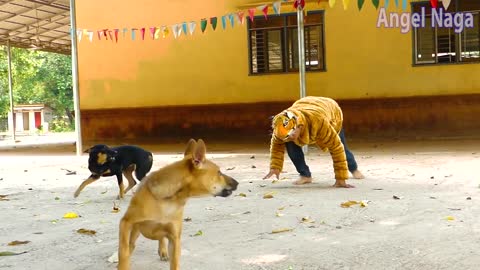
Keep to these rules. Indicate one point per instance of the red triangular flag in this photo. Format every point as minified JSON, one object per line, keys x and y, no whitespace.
{"x":299,"y":2}
{"x":110,"y":35}
{"x":143,"y":33}
{"x":105,"y":33}
{"x":251,"y":14}
{"x":434,"y":3}
{"x":240,"y":16}
{"x":116,"y":34}
{"x":265,"y":11}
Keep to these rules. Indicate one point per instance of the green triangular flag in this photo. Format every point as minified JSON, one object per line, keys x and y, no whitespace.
{"x":376,"y":3}
{"x":213,"y":22}
{"x":360,"y":4}
{"x":203,"y":25}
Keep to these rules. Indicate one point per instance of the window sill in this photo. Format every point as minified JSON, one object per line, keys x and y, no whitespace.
{"x":445,"y":64}
{"x":284,"y":73}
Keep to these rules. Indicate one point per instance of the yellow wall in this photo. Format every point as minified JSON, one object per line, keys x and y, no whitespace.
{"x":361,"y":60}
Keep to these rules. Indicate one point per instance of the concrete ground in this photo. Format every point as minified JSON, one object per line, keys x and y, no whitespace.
{"x":421,"y":211}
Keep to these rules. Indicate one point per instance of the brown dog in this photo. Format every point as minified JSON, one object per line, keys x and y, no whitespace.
{"x":156,"y":209}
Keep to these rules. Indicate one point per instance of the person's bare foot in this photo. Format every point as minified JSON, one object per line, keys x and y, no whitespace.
{"x":357,"y":174}
{"x":303,"y":180}
{"x":342,"y":184}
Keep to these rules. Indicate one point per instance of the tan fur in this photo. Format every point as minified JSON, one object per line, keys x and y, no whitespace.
{"x":101,"y":158}
{"x":156,"y":209}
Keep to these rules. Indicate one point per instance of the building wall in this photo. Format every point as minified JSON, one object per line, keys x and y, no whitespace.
{"x":134,"y":80}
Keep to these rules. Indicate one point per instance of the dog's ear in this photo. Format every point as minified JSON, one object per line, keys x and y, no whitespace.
{"x":88,"y":150}
{"x":190,"y":146}
{"x":198,"y":157}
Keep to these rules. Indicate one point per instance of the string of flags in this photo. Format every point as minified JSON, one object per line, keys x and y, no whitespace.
{"x":234,"y":18}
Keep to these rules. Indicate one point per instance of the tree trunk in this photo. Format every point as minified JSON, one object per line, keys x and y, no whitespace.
{"x":70,"y":116}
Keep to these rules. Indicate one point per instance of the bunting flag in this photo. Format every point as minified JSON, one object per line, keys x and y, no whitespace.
{"x":116,"y":30}
{"x":331,"y":3}
{"x":99,"y":35}
{"x":376,"y":3}
{"x":177,"y":30}
{"x":105,"y":32}
{"x":90,"y":35}
{"x":125,"y":30}
{"x":79,"y":35}
{"x":404,"y":5}
{"x":213,"y":22}
{"x":192,"y":27}
{"x":346,"y":3}
{"x":360,"y":4}
{"x":203,"y":25}
{"x":184,"y":28}
{"x":165,"y":31}
{"x":133,"y":33}
{"x":241,"y":17}
{"x":231,"y":16}
{"x":152,"y":32}
{"x":264,"y":10}
{"x":142,"y":31}
{"x":396,"y":3}
{"x":157,"y":32}
{"x":110,"y":35}
{"x":298,"y":3}
{"x":386,"y":3}
{"x":434,"y":3}
{"x":276,"y":7}
{"x":224,"y":22}
{"x":446,"y":4}
{"x":251,"y":14}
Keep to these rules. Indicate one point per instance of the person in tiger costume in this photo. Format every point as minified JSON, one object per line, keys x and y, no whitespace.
{"x":311,"y":120}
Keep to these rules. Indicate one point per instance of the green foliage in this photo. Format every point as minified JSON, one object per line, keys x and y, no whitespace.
{"x":38,"y":77}
{"x":61,"y":125}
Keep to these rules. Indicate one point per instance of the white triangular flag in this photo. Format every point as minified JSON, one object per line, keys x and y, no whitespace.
{"x":446,"y":3}
{"x":79,"y":35}
{"x":90,"y":35}
{"x":175,"y":30}
{"x":192,"y":26}
{"x":276,"y":7}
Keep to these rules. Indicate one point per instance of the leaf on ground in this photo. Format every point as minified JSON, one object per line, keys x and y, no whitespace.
{"x":70,"y":215}
{"x":187,"y":219}
{"x":281,"y":208}
{"x":449,"y":218}
{"x":268,"y":195}
{"x":307,"y":219}
{"x":241,"y":195}
{"x":230,"y":168}
{"x":199,"y":233}
{"x":115,"y":208}
{"x":348,"y":204}
{"x":113,"y":258}
{"x":9,"y":253}
{"x":282,"y":230}
{"x":16,"y":243}
{"x":54,"y":221}
{"x":87,"y":232}
{"x":278,"y":214}
{"x":103,"y":192}
{"x":57,"y":198}
{"x":364,"y":203}
{"x":395,"y":197}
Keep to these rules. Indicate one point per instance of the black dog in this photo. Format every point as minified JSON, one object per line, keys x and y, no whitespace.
{"x":106,"y":161}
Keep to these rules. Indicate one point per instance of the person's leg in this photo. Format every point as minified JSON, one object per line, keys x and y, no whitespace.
{"x":295,"y":153}
{"x":351,"y":162}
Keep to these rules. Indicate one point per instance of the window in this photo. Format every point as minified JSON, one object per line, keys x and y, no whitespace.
{"x":435,"y":45}
{"x":273,"y":43}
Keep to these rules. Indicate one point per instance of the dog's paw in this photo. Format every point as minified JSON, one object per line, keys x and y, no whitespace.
{"x":163,"y":256}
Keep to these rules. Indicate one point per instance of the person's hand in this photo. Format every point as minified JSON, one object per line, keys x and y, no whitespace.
{"x":275,"y":172}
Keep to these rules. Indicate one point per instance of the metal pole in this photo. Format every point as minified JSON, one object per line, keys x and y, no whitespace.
{"x":301,"y":56}
{"x":76,"y":98}
{"x":10,"y":89}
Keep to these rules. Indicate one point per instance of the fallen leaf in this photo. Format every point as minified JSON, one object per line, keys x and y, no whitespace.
{"x":103,"y":192}
{"x":246,"y":213}
{"x":348,"y":204}
{"x":252,"y":157}
{"x":432,"y":177}
{"x":253,"y":166}
{"x":57,"y":198}
{"x":378,"y":189}
{"x":241,"y":195}
{"x":282,"y":230}
{"x":469,"y":198}
{"x":16,"y":243}
{"x":85,"y":231}
{"x":230,"y":168}
{"x":9,"y":253}
{"x":4,"y":198}
{"x":38,"y":233}
{"x":54,"y":221}
{"x":395,"y":197}
{"x":307,"y":220}
{"x":278,"y":214}
{"x":449,"y":218}
{"x":199,"y":233}
{"x":268,"y":196}
{"x":115,"y":208}
{"x":281,"y":208}
{"x":263,"y":185}
{"x":70,"y":215}
{"x":187,"y":219}
{"x":364,"y":203}
{"x":431,"y":197}
{"x":455,"y":209}
{"x":209,"y":208}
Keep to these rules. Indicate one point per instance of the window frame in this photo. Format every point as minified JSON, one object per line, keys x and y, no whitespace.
{"x":457,"y":38}
{"x":284,"y":42}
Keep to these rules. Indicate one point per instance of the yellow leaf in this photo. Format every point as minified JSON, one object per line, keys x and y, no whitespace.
{"x":307,"y":220}
{"x":70,"y":215}
{"x":85,"y":231}
{"x":282,"y":230}
{"x":3,"y":198}
{"x":278,"y":214}
{"x":449,"y":218}
{"x":348,"y":204}
{"x":16,"y":243}
{"x":268,"y":195}
{"x":281,"y":208}
{"x":363,"y":204}
{"x":242,"y":195}
{"x":199,"y":233}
